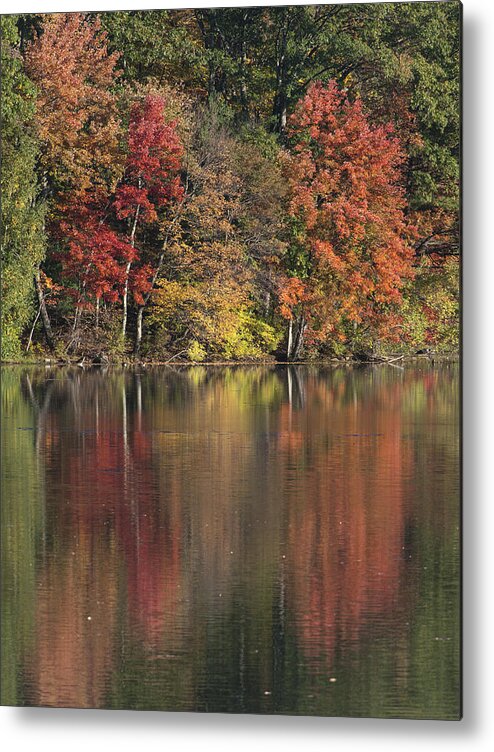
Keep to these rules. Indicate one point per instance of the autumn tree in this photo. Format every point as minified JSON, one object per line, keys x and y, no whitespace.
{"x":410,"y":76}
{"x":76,"y":119}
{"x":76,"y":109}
{"x":94,"y":255}
{"x":206,"y":283}
{"x":347,"y":203}
{"x":151,"y":182}
{"x":228,"y":221}
{"x":111,"y":242}
{"x":402,"y":59}
{"x":216,"y":291}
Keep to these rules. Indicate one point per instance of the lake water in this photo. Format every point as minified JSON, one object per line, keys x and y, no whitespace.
{"x":247,"y":540}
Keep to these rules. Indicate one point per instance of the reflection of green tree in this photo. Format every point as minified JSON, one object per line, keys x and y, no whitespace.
{"x":22,"y":521}
{"x":434,"y":542}
{"x":152,"y":682}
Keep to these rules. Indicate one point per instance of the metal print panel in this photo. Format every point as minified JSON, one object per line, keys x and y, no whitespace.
{"x":230,"y":380}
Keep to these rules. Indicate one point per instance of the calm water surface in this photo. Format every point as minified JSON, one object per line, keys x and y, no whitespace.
{"x":263,"y":540}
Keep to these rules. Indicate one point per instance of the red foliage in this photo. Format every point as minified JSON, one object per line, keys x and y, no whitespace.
{"x":140,"y":281}
{"x":151,"y":181}
{"x":97,"y":253}
{"x":96,"y":256}
{"x":151,"y":177}
{"x":128,"y":198}
{"x":77,"y":126}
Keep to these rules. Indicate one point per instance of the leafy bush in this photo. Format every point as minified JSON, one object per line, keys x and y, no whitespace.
{"x":196,"y":352}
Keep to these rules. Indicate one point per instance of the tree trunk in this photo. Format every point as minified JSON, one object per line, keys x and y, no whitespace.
{"x":127,"y":269}
{"x":280,"y":98}
{"x":137,"y":346}
{"x":242,"y":72}
{"x":299,"y":341}
{"x":280,"y":113}
{"x":267,"y":303}
{"x":44,"y":313}
{"x":32,"y":329}
{"x":77,"y":316}
{"x":206,"y":20}
{"x":289,"y":346}
{"x":126,"y":299}
{"x":147,"y":296}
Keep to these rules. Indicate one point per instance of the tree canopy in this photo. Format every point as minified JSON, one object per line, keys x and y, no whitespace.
{"x":231,"y":182}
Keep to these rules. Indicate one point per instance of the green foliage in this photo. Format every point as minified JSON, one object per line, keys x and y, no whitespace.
{"x":265,"y":142}
{"x":196,"y":352}
{"x":22,"y":236}
{"x":431,"y":316}
{"x":249,"y":338}
{"x":157,"y":45}
{"x":216,"y":324}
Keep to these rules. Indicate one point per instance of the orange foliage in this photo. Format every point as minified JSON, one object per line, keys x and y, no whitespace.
{"x":345,"y":541}
{"x":292,"y":292}
{"x":346,"y":191}
{"x":76,"y":112}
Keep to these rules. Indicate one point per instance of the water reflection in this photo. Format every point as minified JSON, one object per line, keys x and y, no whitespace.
{"x":243,"y":539}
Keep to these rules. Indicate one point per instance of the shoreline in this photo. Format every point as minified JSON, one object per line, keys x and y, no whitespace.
{"x":388,"y":360}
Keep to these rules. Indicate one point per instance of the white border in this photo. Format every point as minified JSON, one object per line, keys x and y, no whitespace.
{"x":81,"y":730}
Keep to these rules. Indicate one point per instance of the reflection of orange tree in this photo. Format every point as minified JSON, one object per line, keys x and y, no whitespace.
{"x":346,"y":527}
{"x":76,"y":620}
